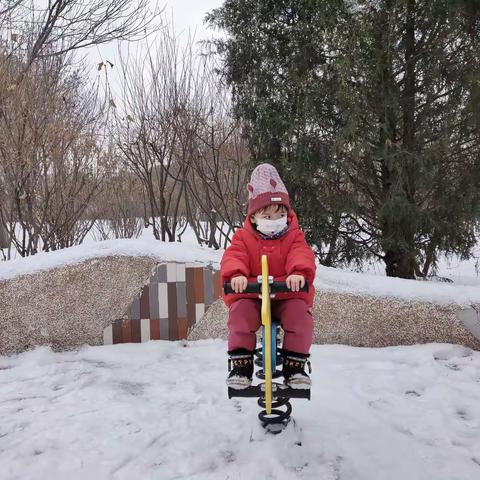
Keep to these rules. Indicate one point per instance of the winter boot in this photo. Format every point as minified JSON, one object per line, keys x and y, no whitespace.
{"x":240,"y":366}
{"x":294,"y":370}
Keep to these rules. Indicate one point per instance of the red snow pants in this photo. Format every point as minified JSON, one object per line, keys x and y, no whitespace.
{"x":244,"y":320}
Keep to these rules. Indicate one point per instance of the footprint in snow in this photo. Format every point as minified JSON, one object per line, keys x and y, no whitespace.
{"x":453,"y":366}
{"x":462,"y":413}
{"x":132,"y":388}
{"x":228,"y":456}
{"x":378,"y":403}
{"x":413,"y":393}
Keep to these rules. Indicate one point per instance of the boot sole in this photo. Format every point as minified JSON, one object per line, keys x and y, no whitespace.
{"x":238,"y":383}
{"x":299,"y":382}
{"x":299,"y":386}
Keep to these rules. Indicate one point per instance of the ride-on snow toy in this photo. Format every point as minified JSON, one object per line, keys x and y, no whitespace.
{"x":272,"y":396}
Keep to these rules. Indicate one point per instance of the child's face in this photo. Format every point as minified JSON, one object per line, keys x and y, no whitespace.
{"x":272,"y":212}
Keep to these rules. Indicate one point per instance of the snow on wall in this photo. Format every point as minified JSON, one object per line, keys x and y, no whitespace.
{"x":327,"y":279}
{"x":108,"y":248}
{"x":333,"y":279}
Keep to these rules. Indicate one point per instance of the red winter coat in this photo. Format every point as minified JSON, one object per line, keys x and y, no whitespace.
{"x":287,"y":255}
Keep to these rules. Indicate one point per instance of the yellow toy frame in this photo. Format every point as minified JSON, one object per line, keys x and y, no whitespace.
{"x":267,"y":323}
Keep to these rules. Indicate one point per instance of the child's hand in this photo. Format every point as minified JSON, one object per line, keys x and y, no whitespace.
{"x":239,"y":284}
{"x":295,"y":282}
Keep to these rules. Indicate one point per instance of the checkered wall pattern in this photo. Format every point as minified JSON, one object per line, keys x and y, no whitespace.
{"x":176,"y":296}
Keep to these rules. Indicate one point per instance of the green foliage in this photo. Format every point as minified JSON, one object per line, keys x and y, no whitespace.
{"x":370,"y":109}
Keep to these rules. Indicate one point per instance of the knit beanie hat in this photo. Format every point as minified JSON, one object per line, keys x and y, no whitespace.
{"x":266,"y":188}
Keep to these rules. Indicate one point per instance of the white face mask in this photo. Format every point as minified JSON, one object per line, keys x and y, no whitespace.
{"x":271,"y":227}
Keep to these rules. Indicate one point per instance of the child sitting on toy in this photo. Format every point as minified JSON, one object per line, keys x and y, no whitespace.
{"x":271,"y":228}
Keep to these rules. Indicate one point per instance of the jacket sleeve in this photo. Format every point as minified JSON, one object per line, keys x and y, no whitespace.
{"x":300,"y":258}
{"x":235,"y":260}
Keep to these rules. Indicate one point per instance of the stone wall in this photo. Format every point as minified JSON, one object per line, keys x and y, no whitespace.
{"x":367,"y":321}
{"x":118,"y":299}
{"x":69,"y":306}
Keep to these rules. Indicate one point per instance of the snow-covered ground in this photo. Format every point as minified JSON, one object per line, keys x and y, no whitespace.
{"x":159,"y":410}
{"x":462,"y":272}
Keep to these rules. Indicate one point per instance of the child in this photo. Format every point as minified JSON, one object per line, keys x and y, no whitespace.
{"x":271,"y":228}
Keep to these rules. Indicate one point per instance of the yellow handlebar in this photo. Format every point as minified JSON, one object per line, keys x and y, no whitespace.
{"x":267,"y":331}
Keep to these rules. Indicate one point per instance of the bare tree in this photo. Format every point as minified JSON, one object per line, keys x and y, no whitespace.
{"x":51,"y":127}
{"x":156,"y":130}
{"x":177,"y":133}
{"x":220,"y":167}
{"x":51,"y":158}
{"x":119,"y":207}
{"x":61,"y":26}
{"x":217,"y":184}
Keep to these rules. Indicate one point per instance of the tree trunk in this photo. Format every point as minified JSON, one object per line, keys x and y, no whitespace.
{"x":409,"y":104}
{"x":400,"y":260}
{"x":212,"y":241}
{"x":331,"y":255}
{"x":399,"y":240}
{"x":4,"y":237}
{"x":399,"y":263}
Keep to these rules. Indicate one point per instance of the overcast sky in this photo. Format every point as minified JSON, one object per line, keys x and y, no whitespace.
{"x":190,"y":13}
{"x":187,"y":16}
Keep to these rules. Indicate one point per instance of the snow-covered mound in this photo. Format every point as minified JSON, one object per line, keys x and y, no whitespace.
{"x":124,"y":247}
{"x":159,"y":411}
{"x":330,"y":279}
{"x":334,"y":279}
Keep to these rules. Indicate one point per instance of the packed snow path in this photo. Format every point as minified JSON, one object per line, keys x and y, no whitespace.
{"x":159,"y":411}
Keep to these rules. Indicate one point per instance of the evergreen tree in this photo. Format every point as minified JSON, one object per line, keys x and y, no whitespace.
{"x":371,"y":110}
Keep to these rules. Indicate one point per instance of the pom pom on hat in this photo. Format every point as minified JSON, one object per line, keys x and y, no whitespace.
{"x":266,"y":188}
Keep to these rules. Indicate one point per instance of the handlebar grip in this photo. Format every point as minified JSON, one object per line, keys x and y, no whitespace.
{"x":252,"y":287}
{"x":281,"y":287}
{"x":255,"y":287}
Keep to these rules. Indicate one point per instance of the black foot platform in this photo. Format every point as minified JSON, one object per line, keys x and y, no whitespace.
{"x":275,"y":421}
{"x":278,"y":391}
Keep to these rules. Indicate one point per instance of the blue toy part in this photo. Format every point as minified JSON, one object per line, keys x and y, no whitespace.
{"x":273,"y":350}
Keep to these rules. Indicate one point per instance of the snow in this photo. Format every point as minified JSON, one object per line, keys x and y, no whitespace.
{"x":159,"y":410}
{"x":462,"y":272}
{"x":337,"y":280}
{"x":125,"y":247}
